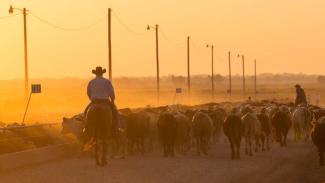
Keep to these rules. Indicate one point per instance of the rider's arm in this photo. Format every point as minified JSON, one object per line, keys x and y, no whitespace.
{"x":111,"y":92}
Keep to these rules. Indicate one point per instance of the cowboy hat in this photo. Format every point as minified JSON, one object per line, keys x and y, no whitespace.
{"x":99,"y":71}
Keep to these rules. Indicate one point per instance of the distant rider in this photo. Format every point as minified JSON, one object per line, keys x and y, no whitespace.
{"x":301,"y":96}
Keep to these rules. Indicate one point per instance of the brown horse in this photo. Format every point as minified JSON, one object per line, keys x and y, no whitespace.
{"x":100,"y":128}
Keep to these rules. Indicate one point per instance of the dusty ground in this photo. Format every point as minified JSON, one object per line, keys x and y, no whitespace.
{"x":296,"y":163}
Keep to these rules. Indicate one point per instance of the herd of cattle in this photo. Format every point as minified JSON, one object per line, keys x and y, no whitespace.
{"x":180,"y":128}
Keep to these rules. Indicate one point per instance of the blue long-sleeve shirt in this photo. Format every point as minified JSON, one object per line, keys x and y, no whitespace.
{"x":100,"y":88}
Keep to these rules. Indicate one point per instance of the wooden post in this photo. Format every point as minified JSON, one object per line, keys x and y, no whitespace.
{"x":212,"y":73}
{"x":229,"y":60}
{"x":244,"y":84}
{"x":109,"y":46}
{"x":157,"y":62}
{"x":25,"y":52}
{"x":255,"y":79}
{"x":188,"y":67}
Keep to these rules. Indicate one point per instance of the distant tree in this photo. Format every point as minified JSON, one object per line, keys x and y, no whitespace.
{"x":321,"y":79}
{"x":217,"y":78}
{"x":178,"y":80}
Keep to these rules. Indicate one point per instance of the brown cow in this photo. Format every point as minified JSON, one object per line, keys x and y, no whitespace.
{"x":75,"y":126}
{"x":281,"y":121}
{"x":183,"y":138}
{"x":167,"y":131}
{"x":266,"y":129}
{"x":218,"y":116}
{"x":318,"y":138}
{"x":252,"y":131}
{"x":137,"y":130}
{"x":233,"y":129}
{"x":202,"y":129}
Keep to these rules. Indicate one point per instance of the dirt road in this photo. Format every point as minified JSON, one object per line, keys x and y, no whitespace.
{"x":296,"y":163}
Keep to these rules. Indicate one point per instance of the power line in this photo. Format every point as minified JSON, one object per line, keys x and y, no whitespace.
{"x":169,"y":40}
{"x":201,"y":52}
{"x":69,"y":29}
{"x":119,"y":20}
{"x":196,"y":47}
{"x":8,"y":16}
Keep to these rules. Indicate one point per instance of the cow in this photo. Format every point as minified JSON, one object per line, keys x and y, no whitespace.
{"x":317,"y":112}
{"x":153,"y":132}
{"x":318,"y":138}
{"x":266,"y":129}
{"x":75,"y":126}
{"x":119,"y":146}
{"x":218,"y":116}
{"x":183,"y":138}
{"x":233,"y":129}
{"x":301,"y":119}
{"x":202,"y":129}
{"x":281,"y":122}
{"x":137,"y":130}
{"x":167,"y":131}
{"x":252,"y":130}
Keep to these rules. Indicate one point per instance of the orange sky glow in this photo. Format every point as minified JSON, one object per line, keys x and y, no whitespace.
{"x":283,"y":35}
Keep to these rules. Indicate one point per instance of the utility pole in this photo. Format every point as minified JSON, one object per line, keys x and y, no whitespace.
{"x":229,"y":60}
{"x":243,"y":63}
{"x":24,"y":11}
{"x":255,"y":79}
{"x":25,"y":51}
{"x":188,"y":67}
{"x":109,"y":45}
{"x":212,"y":72}
{"x":157,"y":60}
{"x":244,"y":82}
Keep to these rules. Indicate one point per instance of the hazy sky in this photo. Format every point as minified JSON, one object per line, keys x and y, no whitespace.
{"x":283,"y":35}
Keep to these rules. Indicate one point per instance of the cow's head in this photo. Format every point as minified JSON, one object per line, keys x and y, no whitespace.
{"x":72,"y":125}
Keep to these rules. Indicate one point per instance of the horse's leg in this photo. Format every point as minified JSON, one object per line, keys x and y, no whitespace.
{"x":104,"y":151}
{"x":114,"y":147}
